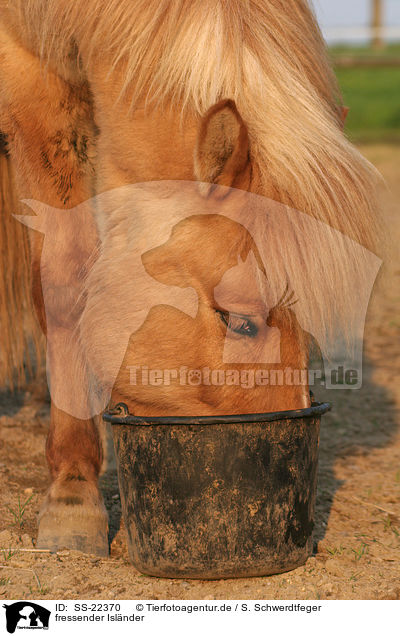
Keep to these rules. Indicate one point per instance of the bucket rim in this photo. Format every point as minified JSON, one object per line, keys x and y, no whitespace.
{"x":119,"y":414}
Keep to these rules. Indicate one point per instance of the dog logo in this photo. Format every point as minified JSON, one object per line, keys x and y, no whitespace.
{"x":26,"y":615}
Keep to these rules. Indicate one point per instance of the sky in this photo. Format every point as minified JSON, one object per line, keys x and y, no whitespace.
{"x":353,"y":13}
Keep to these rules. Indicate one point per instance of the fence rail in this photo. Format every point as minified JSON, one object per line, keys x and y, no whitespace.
{"x":349,"y":61}
{"x":360,"y":33}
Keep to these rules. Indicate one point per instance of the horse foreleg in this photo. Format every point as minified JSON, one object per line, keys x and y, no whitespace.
{"x":73,"y":514}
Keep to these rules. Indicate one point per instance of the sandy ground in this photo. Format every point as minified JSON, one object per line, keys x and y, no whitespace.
{"x":357,"y":534}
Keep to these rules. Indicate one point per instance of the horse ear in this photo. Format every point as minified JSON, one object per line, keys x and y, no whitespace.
{"x":222,"y":149}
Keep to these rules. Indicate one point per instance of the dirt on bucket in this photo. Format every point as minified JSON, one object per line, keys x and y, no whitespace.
{"x":210,"y":499}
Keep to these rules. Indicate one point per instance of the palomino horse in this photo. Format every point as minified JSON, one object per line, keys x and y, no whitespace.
{"x":100,"y":94}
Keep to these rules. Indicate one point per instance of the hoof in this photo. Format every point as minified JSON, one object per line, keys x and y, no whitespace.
{"x":71,"y":522}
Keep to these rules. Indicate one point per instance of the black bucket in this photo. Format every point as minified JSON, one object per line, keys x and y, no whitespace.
{"x":218,"y":497}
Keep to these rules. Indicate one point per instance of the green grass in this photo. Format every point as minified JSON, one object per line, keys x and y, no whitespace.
{"x":18,"y":513}
{"x":8,"y":554}
{"x":4,"y":580}
{"x":360,"y":551}
{"x":373,"y":96}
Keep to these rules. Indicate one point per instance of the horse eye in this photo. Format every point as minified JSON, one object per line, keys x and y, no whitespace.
{"x":238,"y":324}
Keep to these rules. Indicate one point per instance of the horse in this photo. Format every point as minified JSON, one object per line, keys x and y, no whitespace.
{"x":223,"y":101}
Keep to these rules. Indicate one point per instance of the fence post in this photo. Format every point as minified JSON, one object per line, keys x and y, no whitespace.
{"x":376,"y":24}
